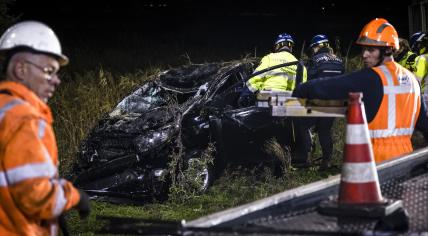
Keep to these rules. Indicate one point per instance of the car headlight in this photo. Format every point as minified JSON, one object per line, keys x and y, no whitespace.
{"x":153,"y":138}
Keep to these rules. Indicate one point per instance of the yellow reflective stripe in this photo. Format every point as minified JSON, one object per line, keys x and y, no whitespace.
{"x":9,"y":106}
{"x":60,"y":200}
{"x":25,"y":172}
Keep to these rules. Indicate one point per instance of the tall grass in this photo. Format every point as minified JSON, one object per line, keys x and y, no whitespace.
{"x":81,"y":100}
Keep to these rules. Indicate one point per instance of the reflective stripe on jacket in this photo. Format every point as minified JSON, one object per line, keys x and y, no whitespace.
{"x":395,"y":120}
{"x":324,"y":64}
{"x":31,"y":194}
{"x":280,"y":79}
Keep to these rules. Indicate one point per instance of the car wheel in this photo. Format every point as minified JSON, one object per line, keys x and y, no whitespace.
{"x":199,"y":174}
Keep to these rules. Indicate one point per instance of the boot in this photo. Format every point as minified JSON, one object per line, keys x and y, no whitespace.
{"x":301,"y":161}
{"x":325,"y":164}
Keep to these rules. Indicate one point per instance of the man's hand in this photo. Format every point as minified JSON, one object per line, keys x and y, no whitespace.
{"x":83,"y":206}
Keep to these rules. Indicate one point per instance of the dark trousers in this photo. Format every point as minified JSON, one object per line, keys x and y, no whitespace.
{"x":303,"y":138}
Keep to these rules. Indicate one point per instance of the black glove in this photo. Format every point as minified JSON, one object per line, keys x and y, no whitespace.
{"x":83,"y":206}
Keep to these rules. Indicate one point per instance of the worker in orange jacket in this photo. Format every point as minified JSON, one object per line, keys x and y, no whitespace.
{"x":391,"y":93}
{"x":32,"y":196}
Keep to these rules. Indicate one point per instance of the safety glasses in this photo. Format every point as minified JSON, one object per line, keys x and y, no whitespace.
{"x":49,"y":71}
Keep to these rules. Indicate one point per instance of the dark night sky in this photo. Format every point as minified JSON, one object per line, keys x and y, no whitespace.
{"x":304,"y":15}
{"x":242,"y":25}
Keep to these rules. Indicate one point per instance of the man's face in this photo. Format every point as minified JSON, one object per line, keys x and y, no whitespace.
{"x":41,"y":75}
{"x":371,"y":56}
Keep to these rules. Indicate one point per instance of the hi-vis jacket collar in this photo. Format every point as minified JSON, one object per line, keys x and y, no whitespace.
{"x":22,"y":92}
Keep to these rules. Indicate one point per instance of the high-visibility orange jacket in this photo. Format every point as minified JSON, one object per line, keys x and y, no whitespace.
{"x":392,"y":102}
{"x":32,"y":195}
{"x":395,"y":120}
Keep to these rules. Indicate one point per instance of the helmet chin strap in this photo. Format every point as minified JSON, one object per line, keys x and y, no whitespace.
{"x":284,"y":48}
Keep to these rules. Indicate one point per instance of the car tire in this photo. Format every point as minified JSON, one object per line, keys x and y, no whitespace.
{"x":203,"y":174}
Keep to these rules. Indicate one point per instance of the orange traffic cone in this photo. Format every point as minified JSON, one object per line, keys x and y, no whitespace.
{"x":359,"y":181}
{"x":359,"y":192}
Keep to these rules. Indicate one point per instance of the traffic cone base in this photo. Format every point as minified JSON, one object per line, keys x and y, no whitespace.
{"x":373,"y":211}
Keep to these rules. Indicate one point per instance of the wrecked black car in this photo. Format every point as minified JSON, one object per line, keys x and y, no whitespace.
{"x":174,"y":122}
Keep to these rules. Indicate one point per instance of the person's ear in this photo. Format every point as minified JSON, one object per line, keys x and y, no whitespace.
{"x":19,"y":70}
{"x":389,"y":51}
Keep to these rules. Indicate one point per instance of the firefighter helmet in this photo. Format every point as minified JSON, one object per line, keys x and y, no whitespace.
{"x":319,"y":39}
{"x":379,"y":32}
{"x":284,"y":37}
{"x":415,"y":39}
{"x":34,"y":35}
{"x":284,"y":41}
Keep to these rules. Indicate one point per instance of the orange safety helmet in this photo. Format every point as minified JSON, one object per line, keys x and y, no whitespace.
{"x":379,"y":32}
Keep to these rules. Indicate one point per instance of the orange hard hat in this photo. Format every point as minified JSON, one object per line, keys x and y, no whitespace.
{"x":379,"y":32}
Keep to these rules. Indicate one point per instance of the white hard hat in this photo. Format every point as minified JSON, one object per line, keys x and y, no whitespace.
{"x":34,"y":35}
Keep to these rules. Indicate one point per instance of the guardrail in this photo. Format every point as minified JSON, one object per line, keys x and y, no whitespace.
{"x":307,"y":195}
